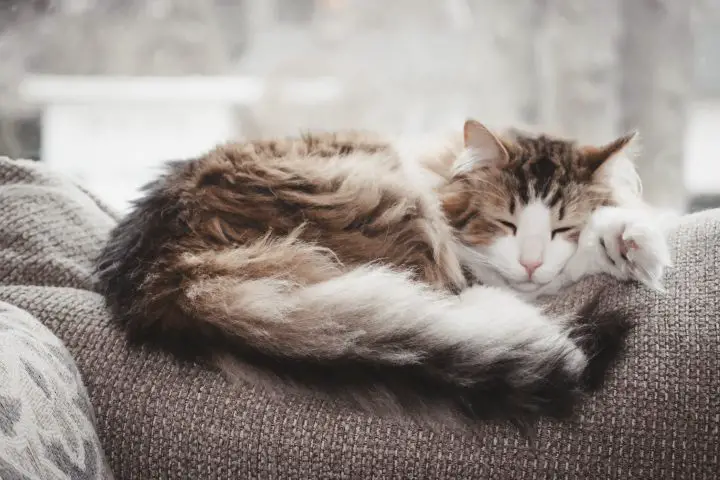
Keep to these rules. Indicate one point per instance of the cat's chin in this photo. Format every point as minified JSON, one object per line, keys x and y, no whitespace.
{"x":526,"y":287}
{"x":493,"y":278}
{"x":533,"y":289}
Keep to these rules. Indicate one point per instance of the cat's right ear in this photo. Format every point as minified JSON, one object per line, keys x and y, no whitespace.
{"x":482,"y":147}
{"x":595,"y":157}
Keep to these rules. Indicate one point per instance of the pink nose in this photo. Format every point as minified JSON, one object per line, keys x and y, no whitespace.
{"x":530,"y":266}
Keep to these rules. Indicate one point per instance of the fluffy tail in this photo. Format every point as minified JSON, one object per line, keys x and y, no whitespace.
{"x":369,"y":334}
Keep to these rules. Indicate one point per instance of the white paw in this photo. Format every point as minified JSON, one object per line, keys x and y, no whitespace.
{"x":634,"y":246}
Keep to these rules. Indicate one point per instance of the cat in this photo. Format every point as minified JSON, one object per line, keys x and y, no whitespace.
{"x":335,"y":263}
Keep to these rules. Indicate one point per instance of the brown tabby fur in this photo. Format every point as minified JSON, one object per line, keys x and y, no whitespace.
{"x":249,"y":221}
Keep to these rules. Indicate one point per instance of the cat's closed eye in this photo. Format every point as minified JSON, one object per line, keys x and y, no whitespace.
{"x":560,"y":230}
{"x":509,"y":225}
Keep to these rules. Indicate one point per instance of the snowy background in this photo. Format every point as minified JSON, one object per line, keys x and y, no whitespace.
{"x":106,"y":89}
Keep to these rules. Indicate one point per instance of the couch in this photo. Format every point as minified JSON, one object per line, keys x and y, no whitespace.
{"x":657,"y":417}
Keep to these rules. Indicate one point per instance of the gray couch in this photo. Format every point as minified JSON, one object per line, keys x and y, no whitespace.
{"x":658,"y":417}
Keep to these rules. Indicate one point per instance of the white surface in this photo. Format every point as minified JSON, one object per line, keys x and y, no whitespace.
{"x":53,"y":89}
{"x":115,"y":149}
{"x":702,"y":149}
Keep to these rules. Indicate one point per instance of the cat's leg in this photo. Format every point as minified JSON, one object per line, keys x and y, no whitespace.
{"x":626,"y":243}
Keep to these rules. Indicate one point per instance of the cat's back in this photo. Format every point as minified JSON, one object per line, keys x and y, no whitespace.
{"x":332,"y":182}
{"x":349,"y":193}
{"x":316,"y":157}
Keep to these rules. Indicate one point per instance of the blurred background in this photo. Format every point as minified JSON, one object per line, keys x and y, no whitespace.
{"x":106,"y":89}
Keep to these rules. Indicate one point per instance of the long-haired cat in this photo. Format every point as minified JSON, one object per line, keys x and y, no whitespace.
{"x":332,"y":261}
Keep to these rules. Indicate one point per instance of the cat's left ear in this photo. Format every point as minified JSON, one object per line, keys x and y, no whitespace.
{"x":595,"y":157}
{"x":482,"y":147}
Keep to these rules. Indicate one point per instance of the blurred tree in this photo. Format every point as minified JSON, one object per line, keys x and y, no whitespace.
{"x":295,"y":11}
{"x":123,"y":37}
{"x":657,"y":78}
{"x":613,"y":66}
{"x":233,"y":18}
{"x":516,"y":30}
{"x":19,"y":125}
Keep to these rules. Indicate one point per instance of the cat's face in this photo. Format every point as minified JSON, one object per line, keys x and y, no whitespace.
{"x":518,"y":205}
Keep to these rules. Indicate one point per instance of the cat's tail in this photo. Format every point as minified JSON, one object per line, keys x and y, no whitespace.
{"x":372,"y":334}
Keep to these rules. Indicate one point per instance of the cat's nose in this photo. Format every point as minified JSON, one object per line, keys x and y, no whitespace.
{"x":530,"y":266}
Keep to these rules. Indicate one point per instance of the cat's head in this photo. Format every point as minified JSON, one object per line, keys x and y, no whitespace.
{"x":518,"y":203}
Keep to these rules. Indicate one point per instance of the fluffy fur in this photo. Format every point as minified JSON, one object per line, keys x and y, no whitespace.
{"x":330,"y":261}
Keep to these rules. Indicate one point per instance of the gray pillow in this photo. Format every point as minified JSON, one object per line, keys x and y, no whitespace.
{"x":47,"y":425}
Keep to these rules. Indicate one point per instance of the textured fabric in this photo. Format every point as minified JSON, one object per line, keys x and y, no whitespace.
{"x":47,"y":425}
{"x":657,"y":418}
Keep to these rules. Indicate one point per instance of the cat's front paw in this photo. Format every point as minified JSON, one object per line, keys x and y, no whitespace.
{"x":633,"y":244}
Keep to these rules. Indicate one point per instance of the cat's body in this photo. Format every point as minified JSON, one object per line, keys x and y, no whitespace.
{"x":332,"y":259}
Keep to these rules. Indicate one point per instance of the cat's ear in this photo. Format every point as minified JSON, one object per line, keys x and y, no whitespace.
{"x":595,"y":157}
{"x":482,"y":148}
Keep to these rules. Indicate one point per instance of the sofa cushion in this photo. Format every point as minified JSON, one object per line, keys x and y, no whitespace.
{"x":47,"y":424}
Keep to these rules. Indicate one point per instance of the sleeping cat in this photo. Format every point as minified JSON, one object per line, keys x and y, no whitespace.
{"x":334,"y":262}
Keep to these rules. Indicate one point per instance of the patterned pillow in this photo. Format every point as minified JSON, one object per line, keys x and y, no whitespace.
{"x":47,"y":425}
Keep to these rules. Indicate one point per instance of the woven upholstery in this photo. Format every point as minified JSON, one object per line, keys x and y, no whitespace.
{"x":657,"y":418}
